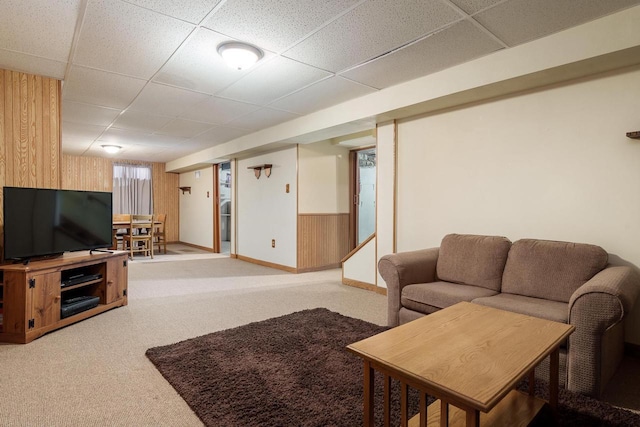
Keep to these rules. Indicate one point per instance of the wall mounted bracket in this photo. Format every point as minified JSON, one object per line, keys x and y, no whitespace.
{"x":258,"y":168}
{"x":634,"y":135}
{"x":185,"y":189}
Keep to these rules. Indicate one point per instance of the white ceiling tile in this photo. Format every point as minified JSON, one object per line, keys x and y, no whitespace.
{"x":184,"y":128}
{"x":167,"y":155}
{"x":192,"y":11}
{"x":71,"y":149}
{"x":216,"y":110}
{"x":323,"y":94}
{"x":129,"y":138}
{"x":90,"y":114}
{"x":261,"y":119}
{"x":197,"y":65}
{"x":80,"y":133}
{"x":221,"y":134}
{"x":166,"y":100}
{"x":184,"y":149}
{"x":123,"y":137}
{"x":274,"y":25}
{"x":473,"y":6}
{"x":519,"y":21}
{"x":128,"y":152}
{"x":32,"y":64}
{"x":100,"y":88}
{"x":139,"y":121}
{"x":44,"y":28}
{"x":369,"y":30}
{"x":167,"y":141}
{"x":274,"y":79}
{"x":127,"y":39}
{"x":459,"y":43}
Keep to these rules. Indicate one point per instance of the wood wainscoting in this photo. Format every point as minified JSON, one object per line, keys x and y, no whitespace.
{"x":323,"y":240}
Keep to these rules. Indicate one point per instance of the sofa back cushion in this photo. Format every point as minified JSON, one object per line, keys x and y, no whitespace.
{"x":551,"y":270}
{"x":473,"y":260}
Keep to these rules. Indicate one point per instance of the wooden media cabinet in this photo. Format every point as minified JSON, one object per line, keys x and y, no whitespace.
{"x":31,"y":295}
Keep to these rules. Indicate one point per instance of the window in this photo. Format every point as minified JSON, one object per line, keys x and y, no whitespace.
{"x":132,"y":190}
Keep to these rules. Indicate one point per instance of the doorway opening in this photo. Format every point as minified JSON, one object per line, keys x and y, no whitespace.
{"x":363,"y":189}
{"x":224,"y":203}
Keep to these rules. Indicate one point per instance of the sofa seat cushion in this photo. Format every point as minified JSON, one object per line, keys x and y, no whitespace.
{"x":430,"y":297}
{"x":473,"y":260}
{"x":536,"y":307}
{"x":551,"y":270}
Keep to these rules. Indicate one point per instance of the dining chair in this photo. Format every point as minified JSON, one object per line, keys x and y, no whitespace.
{"x":120,"y":230}
{"x":159,"y":236}
{"x":139,"y":239}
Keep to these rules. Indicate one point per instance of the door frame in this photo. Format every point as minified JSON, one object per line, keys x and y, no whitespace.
{"x":217,"y":242}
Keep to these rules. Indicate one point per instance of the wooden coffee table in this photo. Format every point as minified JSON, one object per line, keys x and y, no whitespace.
{"x":468,"y":356}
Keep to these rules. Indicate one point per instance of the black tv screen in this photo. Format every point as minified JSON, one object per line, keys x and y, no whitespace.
{"x":40,"y":222}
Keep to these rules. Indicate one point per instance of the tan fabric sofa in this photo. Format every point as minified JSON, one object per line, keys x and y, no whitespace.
{"x":561,"y":281}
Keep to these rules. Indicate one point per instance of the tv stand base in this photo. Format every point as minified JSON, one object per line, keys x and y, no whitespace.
{"x":33,"y":295}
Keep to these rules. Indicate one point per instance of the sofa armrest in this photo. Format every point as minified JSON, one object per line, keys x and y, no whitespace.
{"x":594,"y":309}
{"x":405,"y":268}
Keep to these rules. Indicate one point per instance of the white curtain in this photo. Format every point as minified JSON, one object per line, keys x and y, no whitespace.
{"x":132,"y":190}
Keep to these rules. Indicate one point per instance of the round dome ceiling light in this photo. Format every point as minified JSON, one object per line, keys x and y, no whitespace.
{"x":239,"y":56}
{"x":111,"y":149}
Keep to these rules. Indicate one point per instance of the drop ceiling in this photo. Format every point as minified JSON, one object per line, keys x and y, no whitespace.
{"x":145,"y":75}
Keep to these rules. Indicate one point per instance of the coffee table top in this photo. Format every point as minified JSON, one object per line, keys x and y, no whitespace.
{"x":466,"y":354}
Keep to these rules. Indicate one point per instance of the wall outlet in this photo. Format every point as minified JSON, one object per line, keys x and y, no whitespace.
{"x":273,"y":243}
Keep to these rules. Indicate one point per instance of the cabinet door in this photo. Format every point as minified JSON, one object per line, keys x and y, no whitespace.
{"x":116,"y":279}
{"x":43,"y":296}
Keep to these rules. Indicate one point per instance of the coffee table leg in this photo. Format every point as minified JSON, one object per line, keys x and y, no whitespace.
{"x":387,"y":400}
{"x":423,"y":409}
{"x":473,"y":418}
{"x":368,"y":394}
{"x":554,"y":383}
{"x":444,"y":414}
{"x":532,"y":382}
{"x":404,"y":405}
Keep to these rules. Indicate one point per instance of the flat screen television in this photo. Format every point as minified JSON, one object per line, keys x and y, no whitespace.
{"x":44,"y":222}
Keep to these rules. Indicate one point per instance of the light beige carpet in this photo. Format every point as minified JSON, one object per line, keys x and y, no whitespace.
{"x":95,"y":372}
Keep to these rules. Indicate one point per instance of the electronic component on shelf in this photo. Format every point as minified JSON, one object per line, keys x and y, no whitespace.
{"x":77,"y":305}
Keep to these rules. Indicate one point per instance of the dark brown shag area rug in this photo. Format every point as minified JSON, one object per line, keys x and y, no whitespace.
{"x":294,"y":370}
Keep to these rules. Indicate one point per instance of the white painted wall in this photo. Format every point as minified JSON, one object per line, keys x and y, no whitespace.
{"x":362,"y":265}
{"x":385,"y":207}
{"x":323,"y":178}
{"x":196,"y":209}
{"x":551,"y":164}
{"x":265,"y":211}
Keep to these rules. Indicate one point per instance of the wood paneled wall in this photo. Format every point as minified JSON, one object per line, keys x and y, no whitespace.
{"x":323,"y":240}
{"x":87,"y":173}
{"x":166,"y":199}
{"x":29,"y":130}
{"x":96,"y":174}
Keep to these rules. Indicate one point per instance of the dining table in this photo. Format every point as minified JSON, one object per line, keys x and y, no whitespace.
{"x":120,"y":225}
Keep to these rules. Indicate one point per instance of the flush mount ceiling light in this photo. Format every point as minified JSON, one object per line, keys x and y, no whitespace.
{"x":239,"y":56}
{"x":111,"y":149}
